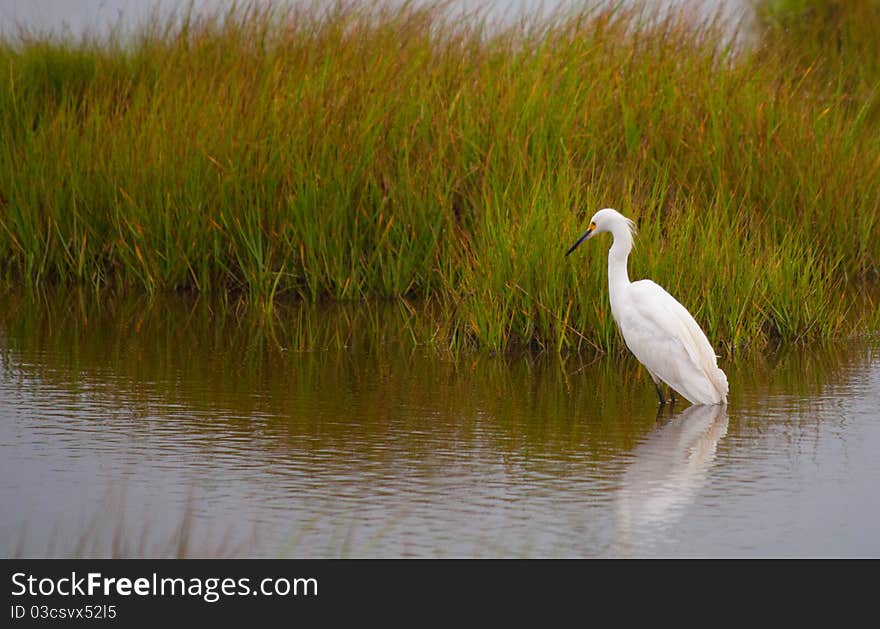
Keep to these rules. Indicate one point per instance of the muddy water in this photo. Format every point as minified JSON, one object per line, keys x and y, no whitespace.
{"x":175,"y":427}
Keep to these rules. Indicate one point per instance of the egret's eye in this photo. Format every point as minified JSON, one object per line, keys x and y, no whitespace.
{"x":592,"y":226}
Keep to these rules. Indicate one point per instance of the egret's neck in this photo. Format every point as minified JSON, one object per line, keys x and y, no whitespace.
{"x":618,"y":278}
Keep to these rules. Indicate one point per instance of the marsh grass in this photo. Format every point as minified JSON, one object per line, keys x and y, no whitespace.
{"x":374,"y":153}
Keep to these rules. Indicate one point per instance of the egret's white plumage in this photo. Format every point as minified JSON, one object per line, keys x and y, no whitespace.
{"x":658,"y":330}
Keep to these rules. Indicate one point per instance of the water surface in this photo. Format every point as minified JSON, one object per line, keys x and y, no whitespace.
{"x":73,"y":20}
{"x":135,"y":427}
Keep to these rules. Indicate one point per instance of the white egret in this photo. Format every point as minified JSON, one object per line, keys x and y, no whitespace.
{"x":657,"y":329}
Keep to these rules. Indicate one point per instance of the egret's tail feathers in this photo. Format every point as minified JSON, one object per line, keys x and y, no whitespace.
{"x":710,"y":388}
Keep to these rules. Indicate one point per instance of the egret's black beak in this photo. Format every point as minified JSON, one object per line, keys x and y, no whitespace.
{"x":581,"y":239}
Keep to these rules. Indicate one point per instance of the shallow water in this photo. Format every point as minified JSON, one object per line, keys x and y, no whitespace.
{"x":165,"y":427}
{"x":100,"y":17}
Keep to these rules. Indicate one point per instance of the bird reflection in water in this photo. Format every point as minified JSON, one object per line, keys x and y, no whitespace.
{"x":667,"y":470}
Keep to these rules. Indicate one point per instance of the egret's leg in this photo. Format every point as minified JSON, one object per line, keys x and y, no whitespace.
{"x":660,"y":410}
{"x":673,"y":398}
{"x":659,"y":390}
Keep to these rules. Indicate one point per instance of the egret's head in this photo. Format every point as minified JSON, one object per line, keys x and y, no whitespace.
{"x":607,"y":220}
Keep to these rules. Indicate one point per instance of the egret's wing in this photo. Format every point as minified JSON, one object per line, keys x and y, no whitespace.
{"x":672,"y":322}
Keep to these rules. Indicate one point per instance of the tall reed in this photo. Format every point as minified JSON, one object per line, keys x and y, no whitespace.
{"x":363,"y":153}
